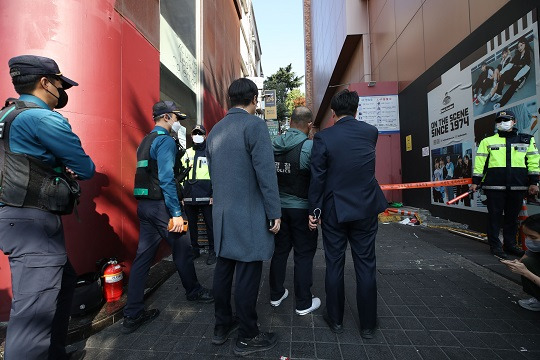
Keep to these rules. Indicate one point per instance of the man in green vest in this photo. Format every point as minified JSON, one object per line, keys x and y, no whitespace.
{"x":512,"y":170}
{"x":198,"y":192}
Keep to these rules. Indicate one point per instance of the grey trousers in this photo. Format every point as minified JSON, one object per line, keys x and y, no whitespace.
{"x":43,"y":282}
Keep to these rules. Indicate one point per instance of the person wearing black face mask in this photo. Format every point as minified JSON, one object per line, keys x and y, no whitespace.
{"x":197,"y":191}
{"x":35,"y":142}
{"x":62,"y":98}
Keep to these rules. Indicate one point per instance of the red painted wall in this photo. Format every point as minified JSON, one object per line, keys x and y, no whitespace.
{"x":221,"y":57}
{"x":118,"y":73}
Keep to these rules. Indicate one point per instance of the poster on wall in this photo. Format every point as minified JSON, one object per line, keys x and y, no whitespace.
{"x":502,"y":75}
{"x":380,"y":111}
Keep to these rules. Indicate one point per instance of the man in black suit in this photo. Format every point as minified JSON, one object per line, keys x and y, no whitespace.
{"x":344,"y":191}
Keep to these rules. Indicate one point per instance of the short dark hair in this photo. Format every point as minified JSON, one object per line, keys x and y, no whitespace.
{"x":345,"y":102}
{"x":25,"y":84}
{"x":301,"y":115}
{"x":532,"y":223}
{"x":242,"y":91}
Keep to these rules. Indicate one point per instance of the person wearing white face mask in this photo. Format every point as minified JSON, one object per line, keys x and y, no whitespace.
{"x":529,"y":265}
{"x":512,"y":171}
{"x":197,"y":192}
{"x":160,"y":217}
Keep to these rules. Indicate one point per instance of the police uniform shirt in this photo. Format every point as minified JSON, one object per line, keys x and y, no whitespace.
{"x":164,"y":151}
{"x":47,"y":136}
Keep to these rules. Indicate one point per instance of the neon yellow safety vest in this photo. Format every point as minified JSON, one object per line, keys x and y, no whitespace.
{"x":199,"y":171}
{"x":513,"y":162}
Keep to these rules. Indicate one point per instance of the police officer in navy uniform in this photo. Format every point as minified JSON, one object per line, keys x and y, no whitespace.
{"x":197,"y":192}
{"x":39,"y":151}
{"x":156,"y":190}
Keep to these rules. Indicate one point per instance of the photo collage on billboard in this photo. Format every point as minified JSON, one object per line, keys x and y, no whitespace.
{"x":462,"y":106}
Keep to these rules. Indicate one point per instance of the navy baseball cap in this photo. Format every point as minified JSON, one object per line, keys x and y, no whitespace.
{"x":200,"y":129}
{"x":37,"y":65}
{"x":505,"y":115}
{"x":166,"y":107}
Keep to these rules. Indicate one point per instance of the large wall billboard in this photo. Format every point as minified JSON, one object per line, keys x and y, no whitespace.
{"x":504,"y":74}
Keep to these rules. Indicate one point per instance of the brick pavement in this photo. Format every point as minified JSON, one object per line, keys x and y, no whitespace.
{"x":440,"y":297}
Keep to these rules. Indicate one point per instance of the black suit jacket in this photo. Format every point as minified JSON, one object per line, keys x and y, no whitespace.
{"x":343,"y":171}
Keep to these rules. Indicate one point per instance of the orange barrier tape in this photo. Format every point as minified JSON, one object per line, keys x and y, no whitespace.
{"x":426,"y":184}
{"x":402,"y":212}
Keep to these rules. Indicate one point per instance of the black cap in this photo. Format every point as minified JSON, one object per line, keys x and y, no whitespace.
{"x":166,"y":107}
{"x":37,"y":65}
{"x":199,"y":128}
{"x":505,"y":115}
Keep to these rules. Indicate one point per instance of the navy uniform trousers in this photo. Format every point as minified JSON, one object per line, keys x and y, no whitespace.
{"x":294,"y":233}
{"x":361,"y":235}
{"x":509,"y":202}
{"x":43,"y":282}
{"x":154,"y":218}
{"x":248,"y":279}
{"x":192,"y":213}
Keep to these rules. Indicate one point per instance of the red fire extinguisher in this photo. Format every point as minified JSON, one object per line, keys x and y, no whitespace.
{"x":113,"y":283}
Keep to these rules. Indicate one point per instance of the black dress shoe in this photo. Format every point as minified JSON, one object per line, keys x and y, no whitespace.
{"x":262,"y":342}
{"x":514,"y":250}
{"x":204,"y":296}
{"x":222,"y":333}
{"x":367,"y":333}
{"x":499,"y":253}
{"x":336,"y":328}
{"x":196,"y":253}
{"x":131,"y":324}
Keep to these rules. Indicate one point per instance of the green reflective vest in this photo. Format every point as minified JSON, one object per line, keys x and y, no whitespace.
{"x":199,"y":166}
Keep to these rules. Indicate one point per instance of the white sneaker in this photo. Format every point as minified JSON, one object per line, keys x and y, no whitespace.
{"x":496,"y":106}
{"x":496,"y":97}
{"x":278,"y":302}
{"x":315,"y":304}
{"x":481,"y":99}
{"x":530,"y":304}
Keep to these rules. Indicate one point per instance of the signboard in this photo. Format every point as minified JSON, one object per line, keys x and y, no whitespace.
{"x":176,"y":56}
{"x":270,"y":108}
{"x":505,"y":75}
{"x":273,"y":128}
{"x":380,"y":111}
